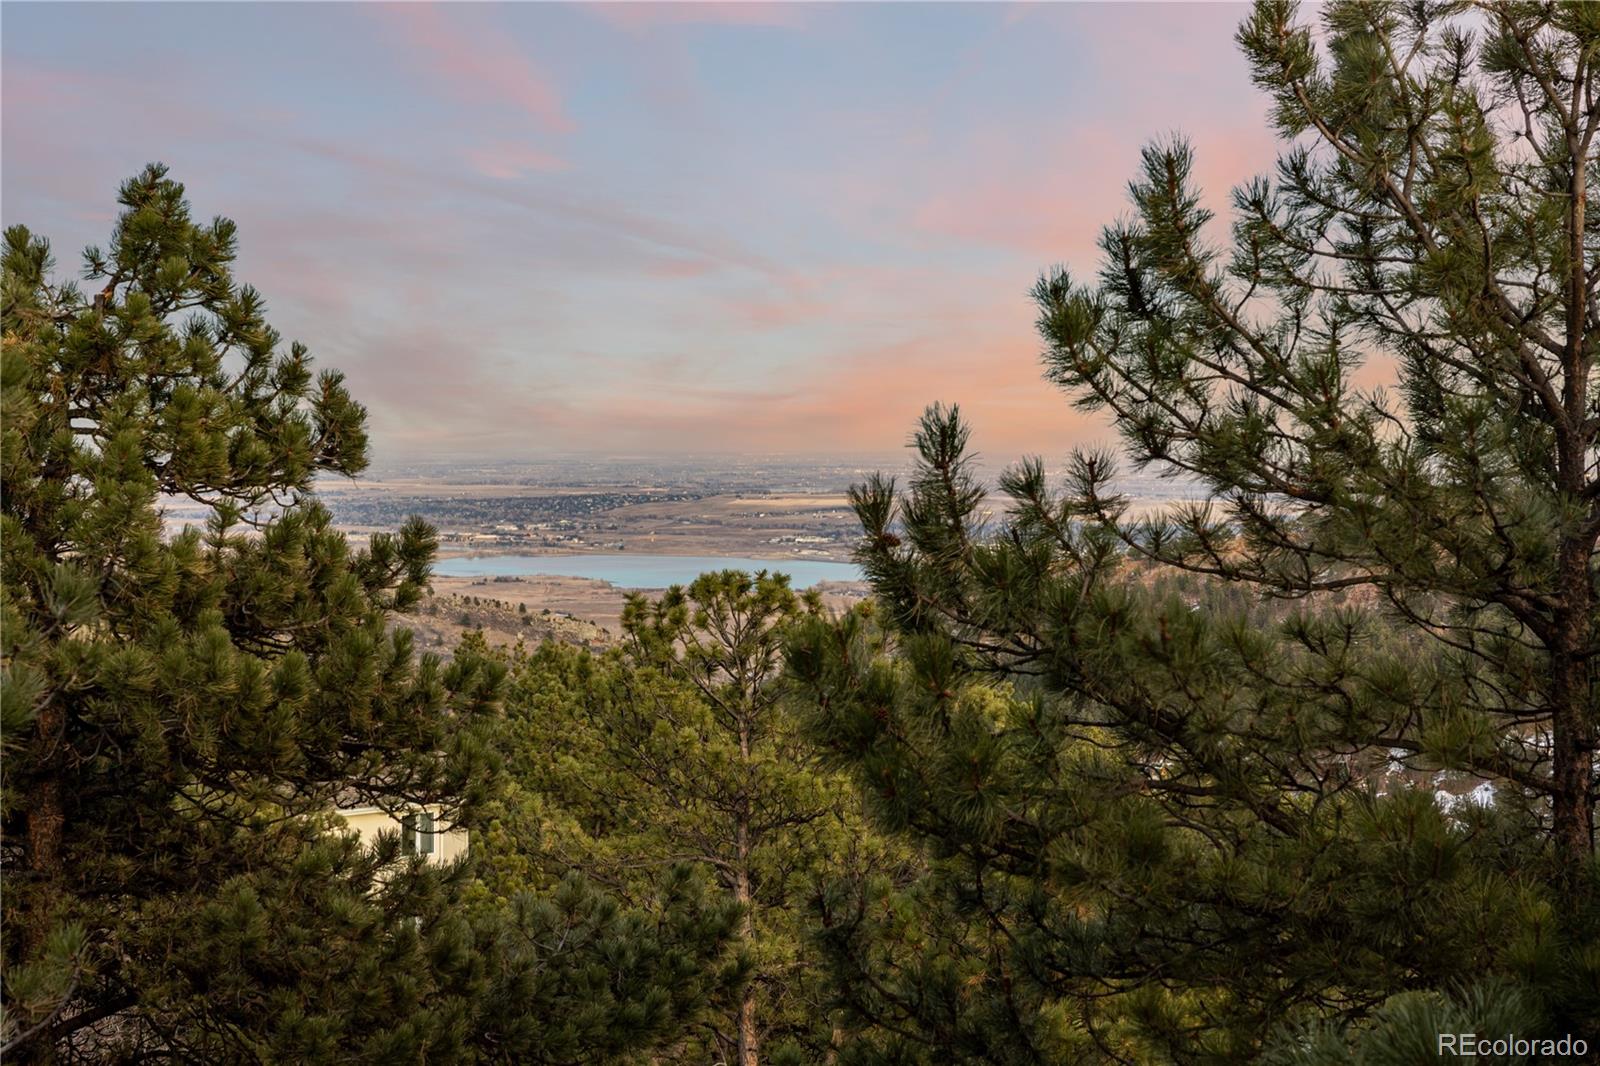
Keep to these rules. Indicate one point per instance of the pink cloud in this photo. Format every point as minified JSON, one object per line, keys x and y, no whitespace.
{"x":854,"y":293}
{"x":794,"y":345}
{"x":46,"y":108}
{"x":1015,"y":194}
{"x":480,"y":65}
{"x":1016,"y":12}
{"x":468,"y":402}
{"x":849,"y":397}
{"x":679,"y":268}
{"x":871,"y":399}
{"x":28,"y":86}
{"x":1184,"y":42}
{"x":508,"y":159}
{"x":642,"y":16}
{"x":1052,"y":201}
{"x":777,"y":309}
{"x":868,"y":405}
{"x":652,"y":236}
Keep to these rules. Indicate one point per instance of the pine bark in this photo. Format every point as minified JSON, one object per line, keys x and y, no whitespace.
{"x":46,"y":822}
{"x":749,"y":1044}
{"x":1573,"y":733}
{"x":1572,"y":690}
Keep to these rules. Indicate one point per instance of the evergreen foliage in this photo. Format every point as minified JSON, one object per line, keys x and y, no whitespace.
{"x":1170,"y":844}
{"x":182,"y":710}
{"x":679,"y":747}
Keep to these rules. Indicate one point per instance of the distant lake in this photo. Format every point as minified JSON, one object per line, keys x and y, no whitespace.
{"x":643,"y":571}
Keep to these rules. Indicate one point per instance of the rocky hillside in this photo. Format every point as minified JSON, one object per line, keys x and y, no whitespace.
{"x":439,"y":622}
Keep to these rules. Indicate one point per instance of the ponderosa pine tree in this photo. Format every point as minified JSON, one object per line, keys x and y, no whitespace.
{"x":181,"y":711}
{"x":679,"y":747}
{"x":1173,"y":834}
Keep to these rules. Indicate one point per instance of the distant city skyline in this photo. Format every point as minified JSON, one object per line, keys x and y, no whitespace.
{"x":654,"y":229}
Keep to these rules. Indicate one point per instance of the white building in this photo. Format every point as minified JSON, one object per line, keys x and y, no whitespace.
{"x":423,"y":832}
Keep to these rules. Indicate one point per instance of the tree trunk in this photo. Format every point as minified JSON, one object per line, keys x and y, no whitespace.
{"x":45,"y":824}
{"x":835,"y":1042}
{"x":1572,"y":725}
{"x":749,"y":1049}
{"x":46,"y":821}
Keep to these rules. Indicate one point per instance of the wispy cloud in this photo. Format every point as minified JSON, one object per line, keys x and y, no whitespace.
{"x":649,"y":15}
{"x":609,"y":227}
{"x":509,"y":159}
{"x":476,"y":61}
{"x":648,"y":236}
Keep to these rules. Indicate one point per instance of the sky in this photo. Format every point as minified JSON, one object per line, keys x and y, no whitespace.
{"x":528,"y":229}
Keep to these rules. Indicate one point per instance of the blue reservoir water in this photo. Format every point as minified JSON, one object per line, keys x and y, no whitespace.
{"x":643,"y":571}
